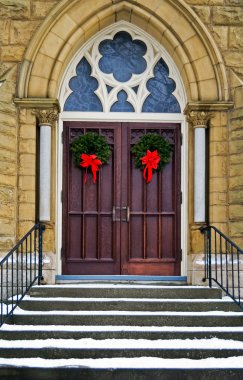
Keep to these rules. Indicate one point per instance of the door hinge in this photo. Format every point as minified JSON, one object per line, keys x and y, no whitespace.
{"x":61,"y":196}
{"x":181,"y":138}
{"x":61,"y":253}
{"x":180,"y":254}
{"x":181,"y":197}
{"x":62,"y":137}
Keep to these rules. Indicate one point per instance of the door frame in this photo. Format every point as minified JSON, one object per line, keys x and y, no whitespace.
{"x":123,"y":117}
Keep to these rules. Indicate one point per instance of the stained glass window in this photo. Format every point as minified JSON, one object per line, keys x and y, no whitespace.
{"x":123,"y":67}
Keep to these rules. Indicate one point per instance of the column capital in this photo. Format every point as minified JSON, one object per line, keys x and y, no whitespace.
{"x":199,"y":119}
{"x":46,"y":116}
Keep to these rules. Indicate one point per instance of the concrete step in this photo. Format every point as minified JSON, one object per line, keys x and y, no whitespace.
{"x":132,"y":304}
{"x":83,"y":371}
{"x":28,"y":332}
{"x":126,"y":291}
{"x":121,"y":348}
{"x":126,"y":318}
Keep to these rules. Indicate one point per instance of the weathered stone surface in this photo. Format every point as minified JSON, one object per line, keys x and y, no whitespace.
{"x":4,"y":32}
{"x":6,"y":179}
{"x":218,"y":214}
{"x":12,"y":53}
{"x":236,"y":228}
{"x":228,"y":15}
{"x":205,"y":2}
{"x":233,"y":58}
{"x":7,"y":210}
{"x":6,"y":155}
{"x":218,"y":166}
{"x":237,"y":134}
{"x":197,"y":241}
{"x":236,"y":147}
{"x":236,"y":182}
{"x":27,"y":196}
{"x":42,"y":8}
{"x":218,"y":148}
{"x":236,"y":197}
{"x":220,"y":34}
{"x":218,"y":198}
{"x":27,"y":131}
{"x":218,"y":184}
{"x":16,"y":9}
{"x":7,"y":227}
{"x":6,"y":243}
{"x":236,"y":37}
{"x":234,"y":2}
{"x":236,"y":211}
{"x":8,"y":142}
{"x":203,"y":12}
{"x":236,"y":124}
{"x":27,"y":146}
{"x":26,"y":211}
{"x":22,"y":31}
{"x":235,"y":170}
{"x":7,"y":194}
{"x":27,"y":182}
{"x":7,"y":168}
{"x":27,"y":164}
{"x":218,"y":133}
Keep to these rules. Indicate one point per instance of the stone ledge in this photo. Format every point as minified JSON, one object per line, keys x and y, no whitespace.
{"x":37,"y":103}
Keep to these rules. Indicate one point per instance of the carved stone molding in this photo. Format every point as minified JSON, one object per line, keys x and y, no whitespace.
{"x":199,"y":119}
{"x":46,"y":116}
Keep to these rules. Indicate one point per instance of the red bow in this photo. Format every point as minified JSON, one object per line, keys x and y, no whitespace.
{"x":92,"y":161}
{"x":151,"y":161}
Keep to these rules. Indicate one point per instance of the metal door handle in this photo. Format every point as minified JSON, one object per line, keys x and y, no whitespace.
{"x":114,"y":218}
{"x":127,"y":219}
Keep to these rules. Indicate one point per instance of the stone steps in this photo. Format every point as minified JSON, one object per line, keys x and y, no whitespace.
{"x":119,"y":331}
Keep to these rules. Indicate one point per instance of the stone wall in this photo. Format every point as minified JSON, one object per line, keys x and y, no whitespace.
{"x":19,"y":20}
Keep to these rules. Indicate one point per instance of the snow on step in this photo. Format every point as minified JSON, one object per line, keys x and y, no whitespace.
{"x":88,"y":343}
{"x":130,"y":363}
{"x":85,"y":328}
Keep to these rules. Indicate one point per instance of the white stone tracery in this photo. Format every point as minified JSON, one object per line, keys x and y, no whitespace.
{"x":154,"y":52}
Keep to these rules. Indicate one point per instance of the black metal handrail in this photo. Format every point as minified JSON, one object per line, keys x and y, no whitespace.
{"x":20,"y":269}
{"x":223,"y":263}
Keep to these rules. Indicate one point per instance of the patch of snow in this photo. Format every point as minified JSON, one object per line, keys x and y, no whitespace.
{"x":89,"y":343}
{"x":122,"y":286}
{"x":102,"y":328}
{"x":133,"y":363}
{"x":19,"y":311}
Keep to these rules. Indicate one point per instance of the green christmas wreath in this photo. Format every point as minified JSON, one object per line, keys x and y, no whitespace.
{"x":90,"y":143}
{"x":152,"y":142}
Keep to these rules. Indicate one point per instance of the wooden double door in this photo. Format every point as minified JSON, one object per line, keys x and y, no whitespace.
{"x":120,"y":224}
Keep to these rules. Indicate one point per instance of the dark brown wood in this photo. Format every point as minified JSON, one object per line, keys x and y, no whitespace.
{"x":147,"y":244}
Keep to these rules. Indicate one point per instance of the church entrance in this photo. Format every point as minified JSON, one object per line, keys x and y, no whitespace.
{"x":121,"y":224}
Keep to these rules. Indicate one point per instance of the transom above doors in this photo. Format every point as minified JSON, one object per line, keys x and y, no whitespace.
{"x":122,"y":69}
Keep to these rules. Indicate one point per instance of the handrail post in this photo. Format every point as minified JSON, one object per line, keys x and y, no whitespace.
{"x":209,"y":257}
{"x":41,"y":228}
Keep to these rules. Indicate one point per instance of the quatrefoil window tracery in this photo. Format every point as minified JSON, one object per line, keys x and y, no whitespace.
{"x":122,"y":72}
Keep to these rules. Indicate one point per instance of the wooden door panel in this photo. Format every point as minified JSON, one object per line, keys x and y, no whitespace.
{"x":152,"y":237}
{"x":91,"y":240}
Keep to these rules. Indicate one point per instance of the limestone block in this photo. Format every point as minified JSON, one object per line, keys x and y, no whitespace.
{"x":235,"y":170}
{"x":218,"y":214}
{"x":106,"y":18}
{"x":236,"y":228}
{"x":205,"y":2}
{"x":8,"y":142}
{"x":234,"y":2}
{"x":90,"y":27}
{"x":7,"y":194}
{"x":197,"y":241}
{"x":195,"y":48}
{"x":218,"y":148}
{"x":236,"y":147}
{"x":49,"y":240}
{"x":6,"y":243}
{"x":41,"y":9}
{"x":236,"y":212}
{"x":6,"y":179}
{"x":7,"y":227}
{"x":27,"y":146}
{"x":49,"y":276}
{"x":17,"y":9}
{"x":7,"y":210}
{"x":237,"y":134}
{"x":228,"y":15}
{"x":6,"y":117}
{"x":218,"y":184}
{"x":236,"y":182}
{"x":26,"y":211}
{"x":22,"y":31}
{"x":208,"y":90}
{"x":8,"y":130}
{"x":49,"y":260}
{"x":220,"y":35}
{"x":4,"y":32}
{"x":236,"y":197}
{"x":218,"y":133}
{"x":24,"y":227}
{"x":38,"y":86}
{"x":236,"y":124}
{"x":7,"y":168}
{"x":27,"y":182}
{"x":28,"y":131}
{"x":27,"y":196}
{"x":218,"y":198}
{"x":81,"y":12}
{"x":204,"y":68}
{"x":50,"y":48}
{"x":12,"y":53}
{"x":233,"y":58}
{"x":27,"y":164}
{"x":218,"y":166}
{"x":236,"y":37}
{"x":6,"y":155}
{"x":238,"y":97}
{"x":203,"y":13}
{"x":239,"y":241}
{"x":64,"y":27}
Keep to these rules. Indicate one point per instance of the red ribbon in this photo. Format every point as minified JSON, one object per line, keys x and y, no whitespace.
{"x":90,"y":160}
{"x":151,"y":161}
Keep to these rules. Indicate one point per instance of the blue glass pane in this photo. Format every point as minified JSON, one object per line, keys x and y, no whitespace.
{"x":83,"y":86}
{"x":122,"y":105}
{"x":122,"y":56}
{"x":161,"y":87}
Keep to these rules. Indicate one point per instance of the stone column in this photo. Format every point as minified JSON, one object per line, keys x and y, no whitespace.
{"x":46,"y":117}
{"x":199,"y":121}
